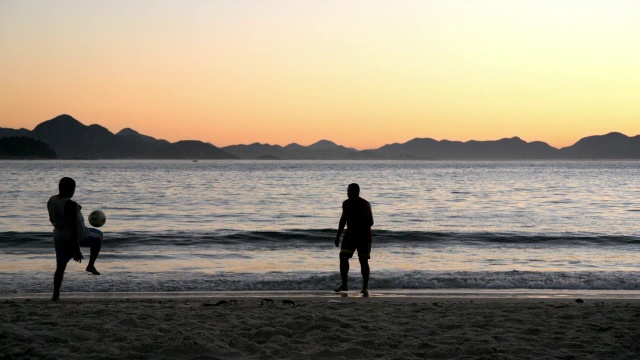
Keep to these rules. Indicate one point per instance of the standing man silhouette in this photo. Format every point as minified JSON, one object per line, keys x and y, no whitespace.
{"x":70,"y":233}
{"x":357,"y":216}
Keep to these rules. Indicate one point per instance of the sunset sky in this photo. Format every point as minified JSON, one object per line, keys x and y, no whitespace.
{"x":360,"y":73}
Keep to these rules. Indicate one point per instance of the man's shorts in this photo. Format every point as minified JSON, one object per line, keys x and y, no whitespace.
{"x":352,"y":243}
{"x":92,"y":238}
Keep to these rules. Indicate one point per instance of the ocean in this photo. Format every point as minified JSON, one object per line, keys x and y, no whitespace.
{"x":211,"y":226}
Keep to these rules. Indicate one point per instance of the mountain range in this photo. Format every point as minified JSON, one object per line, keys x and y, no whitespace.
{"x":70,"y":139}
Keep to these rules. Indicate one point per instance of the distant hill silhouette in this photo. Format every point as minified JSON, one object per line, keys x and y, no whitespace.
{"x":21,"y":147}
{"x":70,"y":139}
{"x":325,"y":149}
{"x":610,"y":146}
{"x":4,"y":132}
{"x":321,"y":150}
{"x":259,"y":151}
{"x":127,"y":132}
{"x":145,"y":144}
{"x":503,"y":149}
{"x":190,"y":149}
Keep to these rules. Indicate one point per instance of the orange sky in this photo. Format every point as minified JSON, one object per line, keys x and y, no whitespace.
{"x":360,"y":73}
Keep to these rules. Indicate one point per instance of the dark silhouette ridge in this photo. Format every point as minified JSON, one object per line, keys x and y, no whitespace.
{"x":146,"y":144}
{"x":190,"y":149}
{"x":610,"y":146}
{"x":127,"y":132}
{"x":326,"y":150}
{"x":294,"y":147}
{"x":258,"y":151}
{"x":327,"y":145}
{"x":322,"y":145}
{"x":70,"y":139}
{"x":5,"y":132}
{"x":321,"y":150}
{"x":503,"y":149}
{"x":15,"y":147}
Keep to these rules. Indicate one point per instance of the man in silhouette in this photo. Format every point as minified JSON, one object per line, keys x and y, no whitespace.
{"x":69,"y":233}
{"x":357,"y":216}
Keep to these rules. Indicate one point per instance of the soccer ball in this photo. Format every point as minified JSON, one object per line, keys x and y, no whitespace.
{"x":97,"y":218}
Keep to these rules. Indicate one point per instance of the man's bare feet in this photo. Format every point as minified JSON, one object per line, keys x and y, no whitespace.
{"x":341,"y":288}
{"x":365,"y":293}
{"x":93,"y":270}
{"x":55,"y":297}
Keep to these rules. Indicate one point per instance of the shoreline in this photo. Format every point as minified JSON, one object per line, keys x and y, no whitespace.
{"x":384,"y":294}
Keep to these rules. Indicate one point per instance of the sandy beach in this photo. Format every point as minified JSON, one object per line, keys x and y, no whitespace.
{"x":320,"y":328}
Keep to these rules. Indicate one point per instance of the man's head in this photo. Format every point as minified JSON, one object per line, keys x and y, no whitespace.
{"x":353,"y":191}
{"x":67,"y":187}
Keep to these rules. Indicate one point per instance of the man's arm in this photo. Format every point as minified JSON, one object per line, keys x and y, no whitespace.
{"x":71,"y":210}
{"x":369,"y":216}
{"x":49,"y":210}
{"x":343,"y":222}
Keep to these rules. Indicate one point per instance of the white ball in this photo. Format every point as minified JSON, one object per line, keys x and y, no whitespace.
{"x":97,"y":218}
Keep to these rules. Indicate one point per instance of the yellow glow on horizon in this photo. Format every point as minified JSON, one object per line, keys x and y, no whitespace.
{"x":362,"y":74}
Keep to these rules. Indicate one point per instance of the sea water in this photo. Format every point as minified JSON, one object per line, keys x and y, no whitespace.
{"x":270,"y":225}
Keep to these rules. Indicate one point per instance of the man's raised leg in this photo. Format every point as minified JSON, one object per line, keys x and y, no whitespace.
{"x":95,"y":250}
{"x":93,"y":240}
